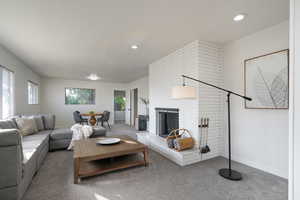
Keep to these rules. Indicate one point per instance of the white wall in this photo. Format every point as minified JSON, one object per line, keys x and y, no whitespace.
{"x":259,"y":137}
{"x":294,"y":141}
{"x":166,"y":73}
{"x":142,"y":85}
{"x":211,"y":101}
{"x":22,"y":75}
{"x":201,"y":60}
{"x":53,"y":98}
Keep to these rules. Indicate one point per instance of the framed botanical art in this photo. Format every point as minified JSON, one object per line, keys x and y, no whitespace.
{"x":80,"y":96}
{"x":267,"y":81}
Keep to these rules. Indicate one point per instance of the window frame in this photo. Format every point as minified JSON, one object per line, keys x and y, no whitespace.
{"x":12,"y":92}
{"x":35,"y":97}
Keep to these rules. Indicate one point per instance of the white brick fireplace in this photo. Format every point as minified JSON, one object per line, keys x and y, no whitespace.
{"x":201,"y":60}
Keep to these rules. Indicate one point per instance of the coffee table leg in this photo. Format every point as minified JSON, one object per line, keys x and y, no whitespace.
{"x":76,"y":170}
{"x":146,"y":156}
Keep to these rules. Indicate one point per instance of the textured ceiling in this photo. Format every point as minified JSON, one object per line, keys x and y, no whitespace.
{"x":72,"y":38}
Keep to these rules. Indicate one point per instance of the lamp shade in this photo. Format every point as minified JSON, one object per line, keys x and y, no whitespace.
{"x":183,"y":92}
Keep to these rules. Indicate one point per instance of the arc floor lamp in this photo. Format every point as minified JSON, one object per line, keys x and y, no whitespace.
{"x":188,"y":92}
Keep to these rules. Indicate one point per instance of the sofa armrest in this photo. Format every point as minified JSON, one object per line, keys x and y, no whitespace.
{"x":11,"y":157}
{"x":9,"y":137}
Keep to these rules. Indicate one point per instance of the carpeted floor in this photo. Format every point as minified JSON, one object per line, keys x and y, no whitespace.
{"x":161,"y":180}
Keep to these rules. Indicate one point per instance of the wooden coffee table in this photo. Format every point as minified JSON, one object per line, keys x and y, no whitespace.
{"x":91,"y":159}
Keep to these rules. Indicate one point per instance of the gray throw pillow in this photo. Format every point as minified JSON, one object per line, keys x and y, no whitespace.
{"x":49,"y":122}
{"x":39,"y":122}
{"x":8,"y":124}
{"x":13,"y":118}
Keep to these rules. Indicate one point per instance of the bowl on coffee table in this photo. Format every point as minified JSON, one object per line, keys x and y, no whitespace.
{"x":109,"y":141}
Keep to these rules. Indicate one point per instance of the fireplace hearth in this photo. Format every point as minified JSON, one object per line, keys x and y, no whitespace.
{"x":167,"y":119}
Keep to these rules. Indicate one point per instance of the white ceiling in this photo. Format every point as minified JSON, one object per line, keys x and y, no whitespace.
{"x":72,"y":38}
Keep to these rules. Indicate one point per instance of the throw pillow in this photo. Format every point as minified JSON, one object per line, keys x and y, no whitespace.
{"x":13,"y":118}
{"x":7,"y":124}
{"x":49,"y":122}
{"x":26,"y":125}
{"x":39,"y":122}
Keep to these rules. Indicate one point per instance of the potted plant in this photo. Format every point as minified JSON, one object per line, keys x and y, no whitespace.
{"x":146,"y":103}
{"x":91,"y":112}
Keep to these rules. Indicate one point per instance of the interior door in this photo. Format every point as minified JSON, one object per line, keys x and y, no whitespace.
{"x":119,"y":106}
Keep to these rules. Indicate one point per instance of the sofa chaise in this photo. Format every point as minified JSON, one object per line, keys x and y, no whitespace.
{"x":21,"y":157}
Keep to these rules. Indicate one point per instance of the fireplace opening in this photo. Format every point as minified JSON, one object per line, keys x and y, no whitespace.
{"x":167,"y":119}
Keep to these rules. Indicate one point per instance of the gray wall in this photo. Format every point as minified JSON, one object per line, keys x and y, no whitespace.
{"x":53,"y":98}
{"x":22,"y":75}
{"x":142,"y":85}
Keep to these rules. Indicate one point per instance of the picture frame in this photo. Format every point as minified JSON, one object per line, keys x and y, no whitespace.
{"x":80,"y":96}
{"x":266,"y":81}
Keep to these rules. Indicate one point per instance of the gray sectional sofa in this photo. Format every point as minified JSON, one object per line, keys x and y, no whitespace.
{"x":21,"y":157}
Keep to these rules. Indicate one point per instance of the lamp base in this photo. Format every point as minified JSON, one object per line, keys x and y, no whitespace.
{"x":230,"y":174}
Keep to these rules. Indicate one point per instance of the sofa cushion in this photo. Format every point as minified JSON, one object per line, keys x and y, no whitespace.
{"x":42,"y":154}
{"x":36,"y":141}
{"x":29,"y":169}
{"x":11,"y":166}
{"x":28,"y":154}
{"x":34,"y":147}
{"x":61,"y":133}
{"x":98,"y":132}
{"x":9,"y":192}
{"x":8,"y":124}
{"x":49,"y":122}
{"x":59,"y":144}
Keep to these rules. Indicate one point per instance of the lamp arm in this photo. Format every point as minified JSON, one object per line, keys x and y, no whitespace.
{"x":211,"y":85}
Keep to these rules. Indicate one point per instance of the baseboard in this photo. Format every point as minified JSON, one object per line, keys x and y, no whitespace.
{"x":259,"y":166}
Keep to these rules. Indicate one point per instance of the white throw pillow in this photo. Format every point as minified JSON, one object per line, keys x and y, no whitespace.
{"x":26,"y":125}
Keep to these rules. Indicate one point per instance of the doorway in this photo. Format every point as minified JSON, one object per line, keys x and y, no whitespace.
{"x":133,"y":106}
{"x":119,"y":106}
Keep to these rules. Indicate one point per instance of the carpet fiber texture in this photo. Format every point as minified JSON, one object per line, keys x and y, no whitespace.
{"x":161,"y":180}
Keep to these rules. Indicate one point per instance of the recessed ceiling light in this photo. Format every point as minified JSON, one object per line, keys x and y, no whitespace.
{"x":239,"y":17}
{"x":93,"y":77}
{"x":134,"y":46}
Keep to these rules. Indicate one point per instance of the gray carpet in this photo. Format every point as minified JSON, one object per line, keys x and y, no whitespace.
{"x":161,"y":180}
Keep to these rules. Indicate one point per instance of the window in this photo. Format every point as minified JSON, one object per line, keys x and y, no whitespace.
{"x":33,"y":93}
{"x":79,"y":96}
{"x":7,"y":101}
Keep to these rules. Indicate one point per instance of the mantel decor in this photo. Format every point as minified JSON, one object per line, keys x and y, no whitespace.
{"x":267,"y":81}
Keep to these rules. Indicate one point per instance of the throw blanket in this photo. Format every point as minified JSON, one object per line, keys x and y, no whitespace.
{"x":80,"y":132}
